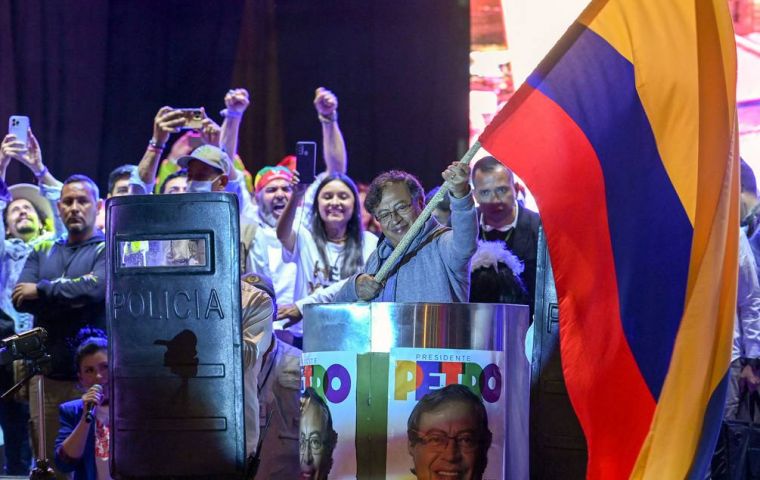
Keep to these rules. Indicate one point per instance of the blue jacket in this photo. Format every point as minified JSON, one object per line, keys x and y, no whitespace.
{"x":13,"y":254}
{"x":438,"y":267}
{"x":84,"y":468}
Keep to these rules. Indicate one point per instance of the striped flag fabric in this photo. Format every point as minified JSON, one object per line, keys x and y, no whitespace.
{"x":625,"y":134}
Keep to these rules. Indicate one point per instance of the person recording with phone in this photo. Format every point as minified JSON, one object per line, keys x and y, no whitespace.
{"x":206,"y":157}
{"x":201,"y":130}
{"x":83,"y":442}
{"x":331,"y":249}
{"x":27,"y":219}
{"x":273,"y":189}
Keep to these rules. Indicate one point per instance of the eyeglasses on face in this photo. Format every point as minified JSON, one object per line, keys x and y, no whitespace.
{"x":400,"y":209}
{"x":313,"y":442}
{"x":465,"y":441}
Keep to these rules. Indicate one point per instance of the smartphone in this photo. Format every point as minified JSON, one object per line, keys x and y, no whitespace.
{"x":306,"y":161}
{"x":18,"y":125}
{"x":194,"y":118}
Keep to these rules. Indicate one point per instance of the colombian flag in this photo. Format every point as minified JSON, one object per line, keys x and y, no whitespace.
{"x":625,"y":135}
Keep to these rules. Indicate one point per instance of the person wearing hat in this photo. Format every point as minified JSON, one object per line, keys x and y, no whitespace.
{"x":170,"y":120}
{"x":28,"y":218}
{"x":273,"y":188}
{"x":212,"y":167}
{"x":272,"y":383}
{"x":25,"y":214}
{"x":208,"y":169}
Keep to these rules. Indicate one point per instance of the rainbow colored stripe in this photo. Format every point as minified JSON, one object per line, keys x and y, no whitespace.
{"x":625,"y":134}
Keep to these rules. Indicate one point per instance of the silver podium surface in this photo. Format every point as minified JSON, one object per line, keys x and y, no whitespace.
{"x":377,"y":328}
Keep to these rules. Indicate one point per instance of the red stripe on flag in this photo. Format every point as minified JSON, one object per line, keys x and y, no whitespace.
{"x":542,"y":144}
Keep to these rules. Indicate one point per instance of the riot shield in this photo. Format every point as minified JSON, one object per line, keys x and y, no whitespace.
{"x":173,"y":312}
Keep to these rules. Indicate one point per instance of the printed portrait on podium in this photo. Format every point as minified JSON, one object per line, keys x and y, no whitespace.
{"x":445,"y":414}
{"x":327,"y":434}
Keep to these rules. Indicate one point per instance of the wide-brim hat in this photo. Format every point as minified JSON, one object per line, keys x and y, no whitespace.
{"x":32,"y":194}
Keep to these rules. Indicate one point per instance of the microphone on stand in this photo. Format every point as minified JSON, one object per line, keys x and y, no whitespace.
{"x":91,"y":407}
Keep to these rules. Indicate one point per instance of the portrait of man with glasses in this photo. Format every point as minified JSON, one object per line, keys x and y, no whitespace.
{"x":317,"y":438}
{"x":448,"y":435}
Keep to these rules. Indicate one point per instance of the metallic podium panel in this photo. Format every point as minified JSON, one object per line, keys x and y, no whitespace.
{"x":378,"y":327}
{"x":173,"y":311}
{"x":373,"y":362}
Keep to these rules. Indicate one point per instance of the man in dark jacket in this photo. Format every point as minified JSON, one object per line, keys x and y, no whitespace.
{"x":63,"y":286}
{"x":503,"y":219}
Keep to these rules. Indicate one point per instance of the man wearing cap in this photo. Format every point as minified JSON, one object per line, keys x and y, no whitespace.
{"x":212,"y":168}
{"x":273,"y":188}
{"x":24,"y":214}
{"x":272,"y":382}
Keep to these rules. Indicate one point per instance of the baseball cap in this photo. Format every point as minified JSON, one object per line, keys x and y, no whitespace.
{"x":210,"y":155}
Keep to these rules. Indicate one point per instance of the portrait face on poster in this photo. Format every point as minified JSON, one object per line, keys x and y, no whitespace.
{"x":327,"y":446}
{"x":448,"y":435}
{"x":317,"y":438}
{"x":446,"y":415}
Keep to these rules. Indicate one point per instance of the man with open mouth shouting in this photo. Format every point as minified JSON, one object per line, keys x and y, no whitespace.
{"x":273,"y":189}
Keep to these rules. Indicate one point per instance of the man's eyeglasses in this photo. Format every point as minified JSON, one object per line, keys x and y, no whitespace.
{"x":399,"y":210}
{"x":313,"y":442}
{"x":466,"y":441}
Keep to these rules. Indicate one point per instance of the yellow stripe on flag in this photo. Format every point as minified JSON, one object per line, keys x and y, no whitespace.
{"x":659,"y":38}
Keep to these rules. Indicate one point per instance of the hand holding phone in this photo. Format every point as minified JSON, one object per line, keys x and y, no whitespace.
{"x":306,"y":161}
{"x":193,"y":118}
{"x":18,"y":125}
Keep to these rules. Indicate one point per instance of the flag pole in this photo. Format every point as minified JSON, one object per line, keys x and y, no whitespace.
{"x":416,"y":227}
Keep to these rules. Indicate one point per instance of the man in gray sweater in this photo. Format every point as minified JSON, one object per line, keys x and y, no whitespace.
{"x":435,"y":267}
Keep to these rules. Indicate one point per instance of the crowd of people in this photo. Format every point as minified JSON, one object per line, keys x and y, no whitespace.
{"x":299,"y":244}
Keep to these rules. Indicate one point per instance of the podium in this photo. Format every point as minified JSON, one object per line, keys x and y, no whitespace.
{"x":380,"y":374}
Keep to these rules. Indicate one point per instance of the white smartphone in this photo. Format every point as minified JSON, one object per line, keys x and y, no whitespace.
{"x":18,"y":125}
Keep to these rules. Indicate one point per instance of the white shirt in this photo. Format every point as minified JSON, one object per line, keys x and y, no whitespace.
{"x":505,"y":228}
{"x":265,"y":257}
{"x":312,"y":275}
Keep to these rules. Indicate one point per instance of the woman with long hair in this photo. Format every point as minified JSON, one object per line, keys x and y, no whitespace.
{"x":332,"y":248}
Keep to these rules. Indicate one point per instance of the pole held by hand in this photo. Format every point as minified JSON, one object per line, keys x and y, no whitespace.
{"x":416,"y":227}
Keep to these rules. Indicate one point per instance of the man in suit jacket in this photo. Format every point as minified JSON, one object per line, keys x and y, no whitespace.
{"x":503,"y":219}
